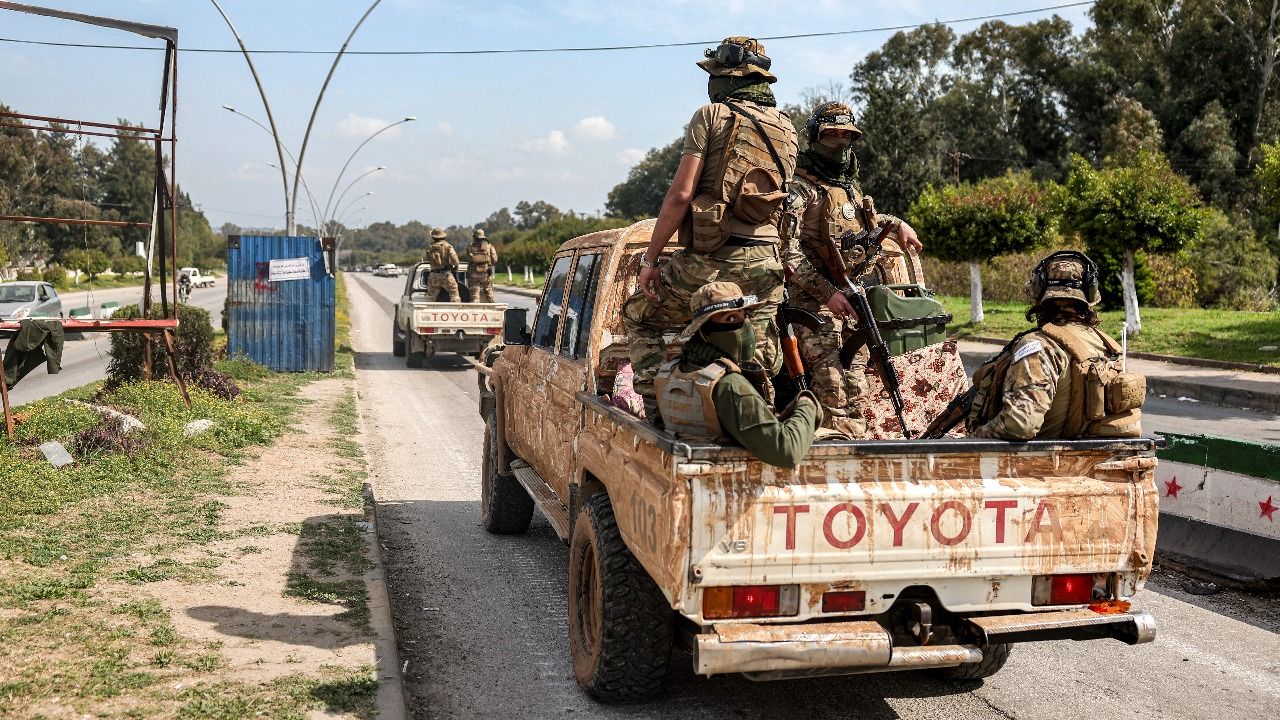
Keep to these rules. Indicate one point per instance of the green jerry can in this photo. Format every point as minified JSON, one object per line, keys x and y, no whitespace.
{"x":908,"y":316}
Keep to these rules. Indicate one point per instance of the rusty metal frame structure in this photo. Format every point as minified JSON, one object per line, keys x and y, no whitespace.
{"x":165,"y":196}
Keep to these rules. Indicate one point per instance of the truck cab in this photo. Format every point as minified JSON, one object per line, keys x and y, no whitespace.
{"x":869,"y":556}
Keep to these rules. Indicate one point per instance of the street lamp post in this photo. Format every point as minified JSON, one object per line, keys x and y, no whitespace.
{"x":347,"y":189}
{"x":311,"y":199}
{"x":340,"y":215}
{"x":328,"y":203}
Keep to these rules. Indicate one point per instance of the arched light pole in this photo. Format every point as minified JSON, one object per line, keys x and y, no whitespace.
{"x":291,"y":203}
{"x":343,"y":213}
{"x":284,"y":176}
{"x":311,"y":199}
{"x":329,"y":203}
{"x":351,"y":184}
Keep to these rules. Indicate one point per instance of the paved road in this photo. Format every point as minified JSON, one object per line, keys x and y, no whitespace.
{"x":84,"y":361}
{"x":481,"y":619}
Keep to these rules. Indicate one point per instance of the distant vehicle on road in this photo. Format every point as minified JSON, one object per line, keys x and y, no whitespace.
{"x":387,"y":270}
{"x":24,"y":299}
{"x":198,"y":279}
{"x":423,"y":325}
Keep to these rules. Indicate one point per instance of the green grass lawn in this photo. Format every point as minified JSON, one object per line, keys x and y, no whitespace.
{"x":517,"y":280}
{"x":1187,"y":332}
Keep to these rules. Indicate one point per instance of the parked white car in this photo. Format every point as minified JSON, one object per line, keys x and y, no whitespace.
{"x":198,"y":279}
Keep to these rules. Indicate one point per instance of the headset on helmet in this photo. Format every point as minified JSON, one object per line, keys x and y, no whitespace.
{"x":820,"y":118}
{"x":1088,"y":285}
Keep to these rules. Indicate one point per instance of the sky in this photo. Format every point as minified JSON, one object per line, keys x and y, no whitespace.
{"x":491,"y":130}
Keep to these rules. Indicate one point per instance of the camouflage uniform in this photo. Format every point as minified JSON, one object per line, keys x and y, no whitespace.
{"x":444,"y":260}
{"x":817,"y":211}
{"x":752,"y":256}
{"x":1041,"y":386}
{"x":480,"y":274}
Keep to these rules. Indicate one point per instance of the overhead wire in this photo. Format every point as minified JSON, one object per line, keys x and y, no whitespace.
{"x":569,"y":49}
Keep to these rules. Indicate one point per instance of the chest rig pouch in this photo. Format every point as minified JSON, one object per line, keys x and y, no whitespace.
{"x":478,"y":256}
{"x":439,"y":257}
{"x":684,"y":399}
{"x":752,"y":178}
{"x":1105,"y":400}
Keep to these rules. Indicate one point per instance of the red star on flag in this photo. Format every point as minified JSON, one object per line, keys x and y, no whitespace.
{"x":1267,"y":509}
{"x":1171,"y":488}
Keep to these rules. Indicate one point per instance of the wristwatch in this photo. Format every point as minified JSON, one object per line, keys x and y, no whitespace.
{"x":645,"y":262}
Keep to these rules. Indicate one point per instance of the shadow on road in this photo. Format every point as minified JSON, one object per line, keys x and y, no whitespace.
{"x":444,"y":362}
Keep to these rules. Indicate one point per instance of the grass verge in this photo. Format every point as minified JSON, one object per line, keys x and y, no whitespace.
{"x":517,"y":280}
{"x":1230,"y":335}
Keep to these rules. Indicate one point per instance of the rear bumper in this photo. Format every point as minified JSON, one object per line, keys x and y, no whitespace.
{"x":467,"y":343}
{"x":774,"y":651}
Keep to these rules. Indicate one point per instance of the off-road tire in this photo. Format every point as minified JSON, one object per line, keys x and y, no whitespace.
{"x":993,"y":658}
{"x":619,"y":621}
{"x":397,"y":345}
{"x":415,"y":359}
{"x":505,"y":507}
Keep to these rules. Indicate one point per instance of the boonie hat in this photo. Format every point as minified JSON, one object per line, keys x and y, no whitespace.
{"x":713,"y":298}
{"x":439,"y":233}
{"x":478,"y":234}
{"x":738,"y":56}
{"x":831,"y":116}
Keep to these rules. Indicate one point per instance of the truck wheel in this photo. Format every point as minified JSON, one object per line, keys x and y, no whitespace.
{"x":505,"y":507}
{"x":416,"y":359}
{"x":993,"y":658}
{"x":619,"y":621}
{"x":397,"y":345}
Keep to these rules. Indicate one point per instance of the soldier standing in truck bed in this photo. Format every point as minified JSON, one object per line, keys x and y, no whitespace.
{"x":482,"y":259}
{"x":444,"y":261}
{"x":726,"y":200}
{"x":824,"y":203}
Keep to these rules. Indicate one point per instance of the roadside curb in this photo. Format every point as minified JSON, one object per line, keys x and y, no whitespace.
{"x":392,"y":701}
{"x":527,"y":292}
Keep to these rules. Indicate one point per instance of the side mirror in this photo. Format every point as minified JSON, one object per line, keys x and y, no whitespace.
{"x":515,"y":329}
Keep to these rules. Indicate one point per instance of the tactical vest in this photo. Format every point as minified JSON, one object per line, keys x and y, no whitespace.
{"x":753,"y":176}
{"x":438,"y":256}
{"x":684,"y":399}
{"x":479,"y":256}
{"x":1101,"y":399}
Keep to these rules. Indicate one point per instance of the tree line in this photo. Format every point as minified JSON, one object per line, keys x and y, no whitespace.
{"x":58,"y":174}
{"x":1020,"y":136}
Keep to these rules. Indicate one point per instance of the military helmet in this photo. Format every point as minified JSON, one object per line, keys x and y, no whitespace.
{"x":478,"y":234}
{"x":713,"y":298}
{"x":830,"y":116}
{"x":1064,"y":274}
{"x":738,"y":56}
{"x":438,"y":234}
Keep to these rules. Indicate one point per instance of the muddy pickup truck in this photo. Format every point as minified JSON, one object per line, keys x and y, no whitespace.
{"x":423,"y":326}
{"x":870,"y":556}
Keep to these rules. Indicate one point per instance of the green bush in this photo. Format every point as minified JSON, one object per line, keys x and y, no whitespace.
{"x":56,"y":275}
{"x":194,"y":345}
{"x":29,"y":275}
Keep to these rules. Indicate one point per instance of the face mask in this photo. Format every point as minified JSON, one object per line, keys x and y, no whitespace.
{"x":834,"y":144}
{"x":736,"y":340}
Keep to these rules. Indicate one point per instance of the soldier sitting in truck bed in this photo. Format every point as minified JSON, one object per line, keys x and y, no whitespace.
{"x":703,"y":395}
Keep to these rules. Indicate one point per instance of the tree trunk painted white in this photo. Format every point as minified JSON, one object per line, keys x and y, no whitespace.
{"x":975,"y":292}
{"x":1131,"y":314}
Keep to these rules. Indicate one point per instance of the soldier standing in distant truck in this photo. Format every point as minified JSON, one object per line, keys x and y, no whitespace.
{"x":482,"y":259}
{"x":726,"y":200}
{"x":824,"y":203}
{"x":444,"y":261}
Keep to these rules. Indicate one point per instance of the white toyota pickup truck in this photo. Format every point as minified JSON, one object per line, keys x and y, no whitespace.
{"x":422,"y":326}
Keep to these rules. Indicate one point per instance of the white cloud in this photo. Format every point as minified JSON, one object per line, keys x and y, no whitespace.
{"x":357,"y":126}
{"x":630,"y":156}
{"x":595,"y":127}
{"x":444,"y":128}
{"x":553,"y":144}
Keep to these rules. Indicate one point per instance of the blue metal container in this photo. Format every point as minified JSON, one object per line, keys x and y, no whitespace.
{"x":280,"y":302}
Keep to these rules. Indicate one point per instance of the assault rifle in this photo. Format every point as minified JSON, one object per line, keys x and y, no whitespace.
{"x":867,"y":332}
{"x":957,"y":411}
{"x":788,"y":317}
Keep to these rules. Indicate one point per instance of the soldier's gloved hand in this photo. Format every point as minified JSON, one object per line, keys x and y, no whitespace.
{"x":839,"y":304}
{"x":805,"y":396}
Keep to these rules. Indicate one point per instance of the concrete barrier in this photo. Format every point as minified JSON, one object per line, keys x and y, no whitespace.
{"x":1220,"y":506}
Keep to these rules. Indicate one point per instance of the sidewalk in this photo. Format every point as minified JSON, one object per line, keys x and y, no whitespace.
{"x":1216,"y":386}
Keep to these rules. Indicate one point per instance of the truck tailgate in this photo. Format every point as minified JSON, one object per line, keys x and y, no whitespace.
{"x":447,"y":317}
{"x":898,"y":521}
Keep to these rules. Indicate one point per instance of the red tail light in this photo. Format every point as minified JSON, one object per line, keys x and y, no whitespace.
{"x":844,"y":601}
{"x":745,"y":601}
{"x":492,"y":331}
{"x":426,"y":330}
{"x":1062,"y":589}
